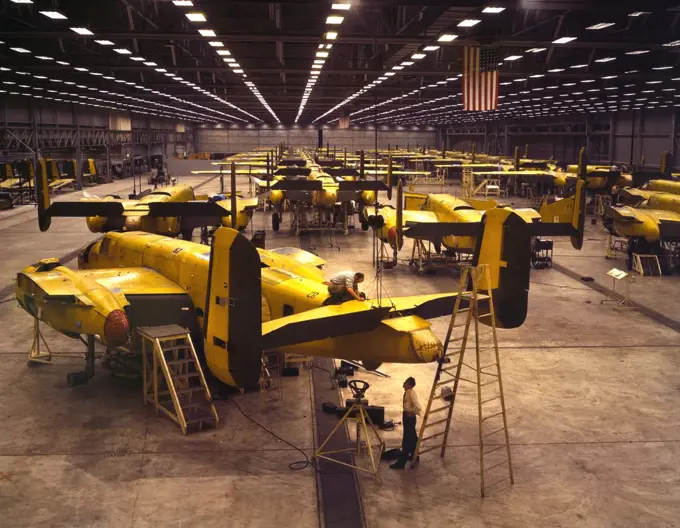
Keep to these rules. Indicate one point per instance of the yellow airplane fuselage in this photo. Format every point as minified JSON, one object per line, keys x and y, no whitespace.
{"x":288,"y":287}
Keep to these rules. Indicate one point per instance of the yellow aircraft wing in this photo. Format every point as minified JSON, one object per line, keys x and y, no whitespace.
{"x":321,"y":323}
{"x":419,"y":217}
{"x":425,"y":306}
{"x":301,"y":256}
{"x":126,"y":281}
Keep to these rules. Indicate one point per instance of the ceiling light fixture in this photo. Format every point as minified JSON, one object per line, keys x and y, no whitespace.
{"x":331,"y":35}
{"x":512,"y":57}
{"x":469,"y":22}
{"x":493,"y":10}
{"x":341,"y":7}
{"x":81,"y":31}
{"x":446,"y":37}
{"x":104,"y":42}
{"x":334,"y":20}
{"x":536,"y":50}
{"x":223,"y":53}
{"x":207,"y":33}
{"x":601,"y":25}
{"x":563,"y":40}
{"x":54,"y":15}
{"x":183,"y":3}
{"x":196,"y":17}
{"x":122,"y":51}
{"x":606,"y":59}
{"x":216,"y":44}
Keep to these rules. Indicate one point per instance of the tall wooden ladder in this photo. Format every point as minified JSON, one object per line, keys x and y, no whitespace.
{"x":173,"y":378}
{"x":472,"y":307}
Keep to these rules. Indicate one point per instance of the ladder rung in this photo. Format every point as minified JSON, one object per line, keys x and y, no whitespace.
{"x":487,"y":486}
{"x":181,"y":361}
{"x":432,"y":448}
{"x":184,"y":391}
{"x":494,"y":449}
{"x":435,"y":435}
{"x":435,"y":423}
{"x":451,"y":354}
{"x":491,"y":381}
{"x":174,"y":347}
{"x":487,"y":366}
{"x":504,"y":461}
{"x":494,"y":432}
{"x":185,"y":375}
{"x":204,"y":417}
{"x":432,"y":411}
{"x":445,"y":382}
{"x":490,"y":400}
{"x":492,"y":416}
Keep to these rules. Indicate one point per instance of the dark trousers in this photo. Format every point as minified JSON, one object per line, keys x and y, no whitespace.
{"x":410,"y":438}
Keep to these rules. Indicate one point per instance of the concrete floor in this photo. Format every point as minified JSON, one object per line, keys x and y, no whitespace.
{"x":591,"y":396}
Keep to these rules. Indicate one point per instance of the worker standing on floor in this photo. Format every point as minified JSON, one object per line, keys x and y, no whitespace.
{"x":411,"y":411}
{"x":345,"y":285}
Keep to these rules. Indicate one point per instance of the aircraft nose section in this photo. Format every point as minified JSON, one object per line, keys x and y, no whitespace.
{"x":116,"y":328}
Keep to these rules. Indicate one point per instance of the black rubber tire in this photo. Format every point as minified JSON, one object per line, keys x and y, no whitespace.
{"x":276,"y":222}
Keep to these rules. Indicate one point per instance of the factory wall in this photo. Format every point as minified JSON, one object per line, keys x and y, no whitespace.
{"x":632,"y":137}
{"x":230,"y":139}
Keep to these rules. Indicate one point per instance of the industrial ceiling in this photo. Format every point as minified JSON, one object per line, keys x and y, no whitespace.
{"x":307,"y":62}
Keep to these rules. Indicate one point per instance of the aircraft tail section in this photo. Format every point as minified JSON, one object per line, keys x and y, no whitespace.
{"x":505,"y":246}
{"x":233,"y":333}
{"x":43,"y":196}
{"x":570,"y":210}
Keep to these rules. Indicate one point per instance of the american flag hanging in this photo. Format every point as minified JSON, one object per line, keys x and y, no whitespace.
{"x":480,"y":78}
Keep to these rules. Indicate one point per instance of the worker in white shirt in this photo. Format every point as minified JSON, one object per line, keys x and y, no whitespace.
{"x":345,"y":285}
{"x":410,"y":436}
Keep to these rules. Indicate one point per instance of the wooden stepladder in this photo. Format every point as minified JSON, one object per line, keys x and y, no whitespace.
{"x":474,"y":305}
{"x":173,"y":378}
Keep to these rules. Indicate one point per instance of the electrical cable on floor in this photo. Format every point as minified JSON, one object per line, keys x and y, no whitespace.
{"x":330,"y":374}
{"x":560,"y":286}
{"x":298,"y":465}
{"x":8,"y":300}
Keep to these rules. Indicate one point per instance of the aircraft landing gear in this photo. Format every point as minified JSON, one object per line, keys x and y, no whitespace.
{"x":276,"y":222}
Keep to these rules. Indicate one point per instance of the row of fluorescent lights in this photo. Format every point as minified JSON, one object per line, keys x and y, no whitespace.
{"x":160,"y":107}
{"x":529,"y":102}
{"x":11,"y":87}
{"x":333,"y":21}
{"x":85,"y":32}
{"x":225,"y":54}
{"x":535,"y":89}
{"x":443,"y":39}
{"x":561,"y":40}
{"x":130,"y":83}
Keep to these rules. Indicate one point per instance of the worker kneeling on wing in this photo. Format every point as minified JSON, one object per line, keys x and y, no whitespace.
{"x":345,"y":286}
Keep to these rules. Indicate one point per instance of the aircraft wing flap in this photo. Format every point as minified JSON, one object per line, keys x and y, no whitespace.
{"x":362,"y":185}
{"x":440,"y":230}
{"x":89,"y":208}
{"x":182,"y":209}
{"x":412,"y":217}
{"x":298,"y":185}
{"x":300,"y":256}
{"x":322,"y":323}
{"x":623,"y":214}
{"x":424,"y":306}
{"x":134,"y":281}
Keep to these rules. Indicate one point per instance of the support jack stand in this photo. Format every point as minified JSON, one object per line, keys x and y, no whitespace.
{"x":38,"y":356}
{"x":357,"y":412}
